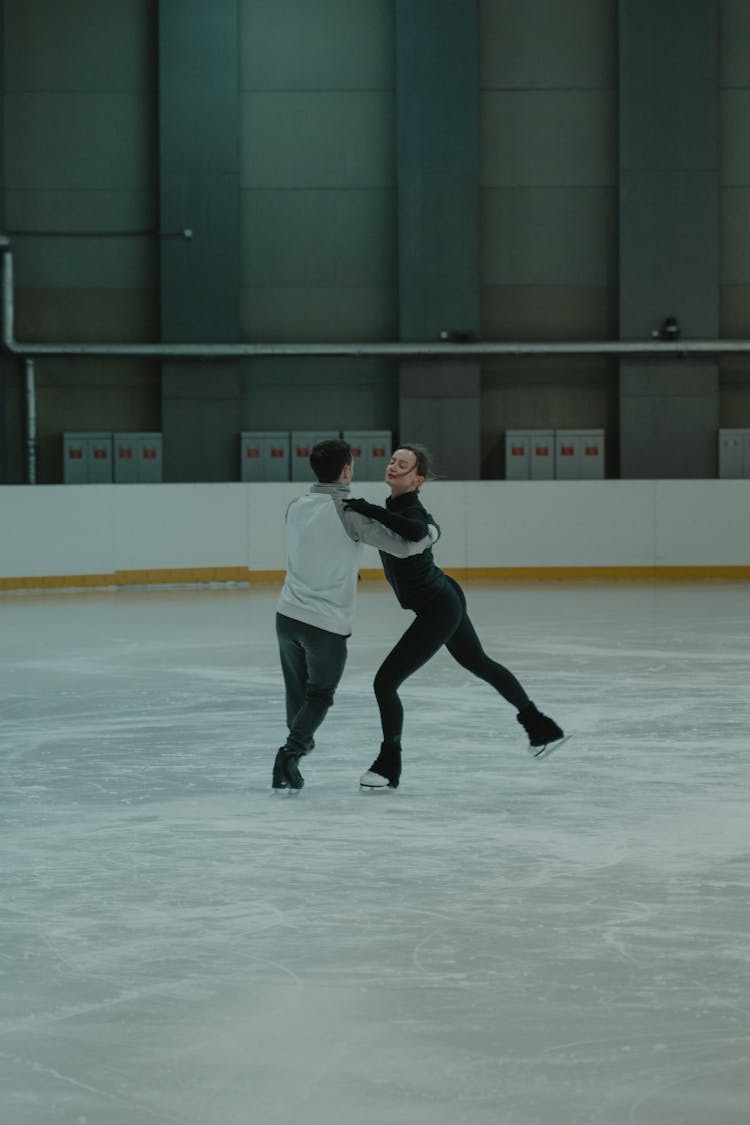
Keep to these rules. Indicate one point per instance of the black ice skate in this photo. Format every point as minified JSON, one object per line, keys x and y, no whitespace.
{"x":544,"y":733}
{"x":286,"y":773}
{"x":385,"y":771}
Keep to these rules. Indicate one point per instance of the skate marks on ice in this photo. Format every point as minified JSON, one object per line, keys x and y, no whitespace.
{"x":499,"y":940}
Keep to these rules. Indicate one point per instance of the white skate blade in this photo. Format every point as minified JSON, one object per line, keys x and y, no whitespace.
{"x":540,"y":752}
{"x":372,"y":780}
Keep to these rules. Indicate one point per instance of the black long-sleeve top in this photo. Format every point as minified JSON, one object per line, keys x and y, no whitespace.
{"x":418,"y":579}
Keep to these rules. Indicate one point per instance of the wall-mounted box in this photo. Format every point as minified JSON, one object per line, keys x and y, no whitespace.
{"x":264,"y":455}
{"x":734,"y":454}
{"x":87,"y":458}
{"x":579,"y":454}
{"x":371,"y":450}
{"x":138,"y":458}
{"x":529,"y":455}
{"x":302,"y":443}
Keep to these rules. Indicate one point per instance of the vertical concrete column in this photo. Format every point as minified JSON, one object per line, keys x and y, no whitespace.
{"x":437,"y":99}
{"x":669,"y":231}
{"x":200,"y":195}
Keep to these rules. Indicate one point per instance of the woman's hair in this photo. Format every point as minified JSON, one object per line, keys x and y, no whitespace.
{"x":424,"y":460}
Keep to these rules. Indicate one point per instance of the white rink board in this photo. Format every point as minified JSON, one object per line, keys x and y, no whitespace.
{"x":101,"y":529}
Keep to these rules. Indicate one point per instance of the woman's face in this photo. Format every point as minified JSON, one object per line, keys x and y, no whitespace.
{"x":401,"y":475}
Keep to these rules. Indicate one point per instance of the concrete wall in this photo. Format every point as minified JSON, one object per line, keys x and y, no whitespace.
{"x":317,"y":92}
{"x":318,"y":208}
{"x":318,"y":172}
{"x":734,"y":255}
{"x":80,"y":141}
{"x":140,"y":534}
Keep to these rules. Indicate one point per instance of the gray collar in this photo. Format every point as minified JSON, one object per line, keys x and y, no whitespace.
{"x":336,"y":490}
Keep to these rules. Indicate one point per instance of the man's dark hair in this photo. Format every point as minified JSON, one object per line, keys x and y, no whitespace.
{"x":328,"y":459}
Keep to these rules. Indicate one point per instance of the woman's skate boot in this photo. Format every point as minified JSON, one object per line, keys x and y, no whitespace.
{"x":544,"y":733}
{"x":385,"y":771}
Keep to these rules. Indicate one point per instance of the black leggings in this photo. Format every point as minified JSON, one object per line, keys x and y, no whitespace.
{"x":443,"y":621}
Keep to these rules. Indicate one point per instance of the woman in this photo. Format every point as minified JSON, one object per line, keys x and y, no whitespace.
{"x":440,"y":619}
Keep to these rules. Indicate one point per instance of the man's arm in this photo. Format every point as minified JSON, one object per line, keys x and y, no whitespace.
{"x":365,"y":530}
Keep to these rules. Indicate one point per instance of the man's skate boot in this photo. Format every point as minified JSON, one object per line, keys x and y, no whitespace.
{"x":385,"y":771}
{"x":286,"y":773}
{"x":544,"y":733}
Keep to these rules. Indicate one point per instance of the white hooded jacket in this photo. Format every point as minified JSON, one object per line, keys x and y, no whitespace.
{"x":324,"y":553}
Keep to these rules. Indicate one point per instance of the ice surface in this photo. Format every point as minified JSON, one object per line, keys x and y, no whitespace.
{"x":500,"y":942}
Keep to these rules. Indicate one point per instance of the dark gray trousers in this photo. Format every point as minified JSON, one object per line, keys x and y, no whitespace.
{"x":312,"y":661}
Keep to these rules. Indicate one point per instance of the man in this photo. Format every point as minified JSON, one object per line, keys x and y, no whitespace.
{"x":315,"y":609}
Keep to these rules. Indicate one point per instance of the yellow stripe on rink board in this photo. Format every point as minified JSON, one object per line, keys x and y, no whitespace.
{"x":151,"y":577}
{"x":58,"y":582}
{"x":588,"y":573}
{"x":188,"y":575}
{"x":176,"y":576}
{"x":598,"y":573}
